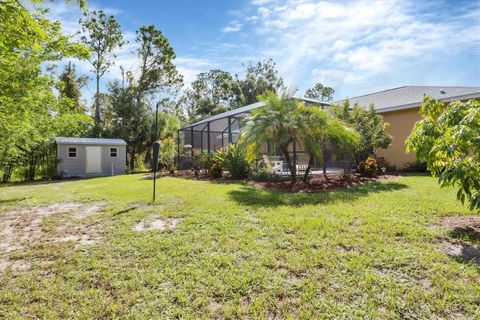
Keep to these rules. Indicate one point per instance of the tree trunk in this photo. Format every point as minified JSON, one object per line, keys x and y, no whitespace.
{"x":132,"y":158}
{"x":290,"y":166}
{"x":97,"y":104}
{"x":307,"y":170}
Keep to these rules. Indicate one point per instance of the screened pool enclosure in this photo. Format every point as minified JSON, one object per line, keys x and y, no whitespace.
{"x":222,"y":129}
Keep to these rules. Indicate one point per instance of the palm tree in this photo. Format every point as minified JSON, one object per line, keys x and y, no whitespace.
{"x":317,"y":129}
{"x":285,"y":120}
{"x":273,"y":122}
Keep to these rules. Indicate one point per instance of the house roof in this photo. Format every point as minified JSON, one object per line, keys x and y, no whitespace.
{"x":90,"y":141}
{"x":222,"y":118}
{"x":412,"y":96}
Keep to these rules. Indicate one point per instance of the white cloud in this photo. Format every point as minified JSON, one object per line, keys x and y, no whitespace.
{"x":260,"y":2}
{"x":364,"y":38}
{"x":234,"y":26}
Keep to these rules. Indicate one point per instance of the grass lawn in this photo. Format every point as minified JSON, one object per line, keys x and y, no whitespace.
{"x":228,"y":250}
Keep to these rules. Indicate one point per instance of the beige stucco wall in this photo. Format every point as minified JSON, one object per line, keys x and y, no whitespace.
{"x":401,"y":124}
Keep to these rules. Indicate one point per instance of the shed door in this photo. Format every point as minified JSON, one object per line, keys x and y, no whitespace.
{"x":94,"y":159}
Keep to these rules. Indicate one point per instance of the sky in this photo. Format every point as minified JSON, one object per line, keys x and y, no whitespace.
{"x":355,"y":47}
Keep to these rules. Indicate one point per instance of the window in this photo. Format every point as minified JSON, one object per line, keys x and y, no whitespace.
{"x":113,"y":152}
{"x":72,"y":152}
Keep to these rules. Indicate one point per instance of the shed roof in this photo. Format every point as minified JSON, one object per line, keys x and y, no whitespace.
{"x":90,"y":141}
{"x":412,"y":96}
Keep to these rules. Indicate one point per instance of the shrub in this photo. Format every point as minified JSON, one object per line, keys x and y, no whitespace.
{"x":215,"y":162}
{"x":199,"y":161}
{"x":264,"y":175}
{"x":416,"y":166}
{"x":234,"y":161}
{"x":368,"y":167}
{"x":382,"y":163}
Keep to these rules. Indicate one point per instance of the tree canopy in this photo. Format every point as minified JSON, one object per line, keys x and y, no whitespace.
{"x":368,"y":123}
{"x":320,"y":92}
{"x":448,"y":139}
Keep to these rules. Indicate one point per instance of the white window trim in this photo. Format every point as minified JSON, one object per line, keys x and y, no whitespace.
{"x":116,"y":152}
{"x":68,"y":152}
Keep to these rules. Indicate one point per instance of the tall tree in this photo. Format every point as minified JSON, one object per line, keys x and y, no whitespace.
{"x":320,"y":92}
{"x":30,"y":112}
{"x":260,"y":78}
{"x":158,"y":73}
{"x":211,"y":93}
{"x":133,"y":98}
{"x":130,"y":119}
{"x":102,"y":35}
{"x":69,"y":88}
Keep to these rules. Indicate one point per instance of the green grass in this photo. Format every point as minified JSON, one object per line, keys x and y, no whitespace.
{"x":240,"y":252}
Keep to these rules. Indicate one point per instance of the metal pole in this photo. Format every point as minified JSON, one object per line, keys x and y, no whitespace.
{"x":191,"y":141}
{"x":208,"y":136}
{"x":229,"y":130}
{"x":295,"y":156}
{"x":154,"y":183}
{"x":178,"y":149}
{"x":156,"y":120}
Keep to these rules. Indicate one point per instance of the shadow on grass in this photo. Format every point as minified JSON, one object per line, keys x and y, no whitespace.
{"x":466,"y":234}
{"x":5,"y":201}
{"x":123,"y":211}
{"x":249,"y":195}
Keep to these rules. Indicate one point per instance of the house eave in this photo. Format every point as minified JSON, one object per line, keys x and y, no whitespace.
{"x":418,"y":104}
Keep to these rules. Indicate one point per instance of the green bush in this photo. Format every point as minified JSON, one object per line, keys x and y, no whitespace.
{"x":416,"y":166}
{"x":215,"y":163}
{"x":200,"y":160}
{"x":368,"y":167}
{"x":264,"y":175}
{"x":234,"y":161}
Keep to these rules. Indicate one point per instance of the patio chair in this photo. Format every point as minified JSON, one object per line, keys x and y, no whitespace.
{"x":273,"y":166}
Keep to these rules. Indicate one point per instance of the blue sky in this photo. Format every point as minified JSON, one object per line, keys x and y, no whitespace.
{"x":356,"y":47}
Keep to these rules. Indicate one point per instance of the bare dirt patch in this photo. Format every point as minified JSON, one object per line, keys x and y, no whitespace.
{"x":468,"y":224}
{"x":463,"y":237}
{"x":156,"y":224}
{"x":23,"y":227}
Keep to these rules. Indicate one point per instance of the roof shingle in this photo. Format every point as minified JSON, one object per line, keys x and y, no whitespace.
{"x":412,"y":96}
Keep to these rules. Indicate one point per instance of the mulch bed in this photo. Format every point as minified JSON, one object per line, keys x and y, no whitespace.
{"x":317,"y":183}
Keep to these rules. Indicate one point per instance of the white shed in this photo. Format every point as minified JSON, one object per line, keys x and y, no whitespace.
{"x":83,"y":157}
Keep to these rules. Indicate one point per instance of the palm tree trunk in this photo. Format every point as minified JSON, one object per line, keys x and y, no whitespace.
{"x":307,"y":171}
{"x":290,"y":166}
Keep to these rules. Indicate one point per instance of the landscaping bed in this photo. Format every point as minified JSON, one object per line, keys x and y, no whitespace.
{"x":316,"y":183}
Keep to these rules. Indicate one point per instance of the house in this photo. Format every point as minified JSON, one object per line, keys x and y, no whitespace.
{"x":82,"y":157}
{"x":400,"y":108}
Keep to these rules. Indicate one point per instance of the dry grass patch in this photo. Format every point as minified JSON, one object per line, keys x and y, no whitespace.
{"x":463,"y":237}
{"x":23,"y":228}
{"x":156,"y":224}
